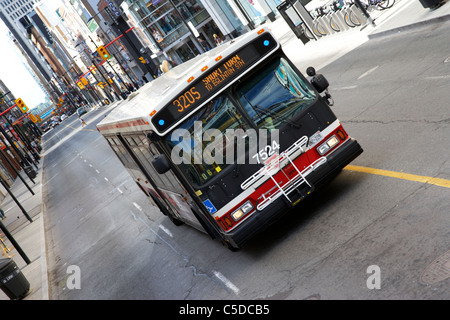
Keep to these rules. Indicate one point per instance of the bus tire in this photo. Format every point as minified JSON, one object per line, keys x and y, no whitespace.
{"x":174,"y":220}
{"x":209,"y":229}
{"x":230,"y":246}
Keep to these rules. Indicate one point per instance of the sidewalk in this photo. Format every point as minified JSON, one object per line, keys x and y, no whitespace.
{"x":405,"y":15}
{"x":29,"y":235}
{"x":409,"y":15}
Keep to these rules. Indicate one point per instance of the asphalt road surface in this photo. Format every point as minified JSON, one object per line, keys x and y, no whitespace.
{"x":375,"y":232}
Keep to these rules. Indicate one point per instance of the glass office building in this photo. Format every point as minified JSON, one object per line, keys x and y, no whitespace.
{"x":256,"y":12}
{"x":182,"y":29}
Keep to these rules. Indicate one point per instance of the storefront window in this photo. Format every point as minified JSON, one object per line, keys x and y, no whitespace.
{"x":231,"y":16}
{"x":253,"y":11}
{"x":273,"y":5}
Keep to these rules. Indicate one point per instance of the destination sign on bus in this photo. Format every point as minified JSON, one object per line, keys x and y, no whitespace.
{"x":213,"y":81}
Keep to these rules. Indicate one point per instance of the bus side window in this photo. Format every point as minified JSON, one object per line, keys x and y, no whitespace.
{"x":121,"y":153}
{"x":145,"y":156}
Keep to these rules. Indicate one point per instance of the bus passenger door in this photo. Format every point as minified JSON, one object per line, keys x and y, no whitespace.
{"x":169,"y":190}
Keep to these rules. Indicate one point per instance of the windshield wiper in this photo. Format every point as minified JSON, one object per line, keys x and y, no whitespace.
{"x":279,"y":118}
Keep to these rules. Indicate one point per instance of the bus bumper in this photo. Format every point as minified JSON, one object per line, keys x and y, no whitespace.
{"x":259,"y":221}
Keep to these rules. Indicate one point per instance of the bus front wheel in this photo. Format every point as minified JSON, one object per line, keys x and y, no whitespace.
{"x":174,"y":220}
{"x":230,"y":246}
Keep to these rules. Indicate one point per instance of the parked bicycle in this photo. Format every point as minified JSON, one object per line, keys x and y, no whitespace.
{"x":340,"y":15}
{"x":377,"y":4}
{"x":352,"y":20}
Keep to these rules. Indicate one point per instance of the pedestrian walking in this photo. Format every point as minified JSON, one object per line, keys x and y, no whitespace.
{"x":204,"y":44}
{"x":82,"y":122}
{"x":2,"y":214}
{"x":217,"y":40}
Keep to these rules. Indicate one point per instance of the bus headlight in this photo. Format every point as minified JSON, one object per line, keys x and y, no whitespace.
{"x":328,"y":145}
{"x":242,"y":211}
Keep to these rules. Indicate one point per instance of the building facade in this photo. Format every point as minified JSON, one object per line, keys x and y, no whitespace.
{"x":255,"y":12}
{"x":13,"y":13}
{"x":182,"y":29}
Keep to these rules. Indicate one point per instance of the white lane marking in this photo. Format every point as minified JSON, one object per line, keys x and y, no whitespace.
{"x":218,"y":275}
{"x":106,"y":179}
{"x":368,"y":72}
{"x":447,"y":76}
{"x":166,"y":230}
{"x":345,"y":88}
{"x":137,"y":206}
{"x":227,"y":282}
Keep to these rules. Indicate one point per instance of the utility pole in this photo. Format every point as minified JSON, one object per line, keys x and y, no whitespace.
{"x":14,"y":243}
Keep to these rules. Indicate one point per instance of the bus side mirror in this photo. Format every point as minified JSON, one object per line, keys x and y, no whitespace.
{"x":319,"y":82}
{"x":311,"y":71}
{"x":161,"y":163}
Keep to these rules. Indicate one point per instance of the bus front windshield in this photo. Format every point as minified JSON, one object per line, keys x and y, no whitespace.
{"x":199,"y":145}
{"x":270,"y":97}
{"x":275,"y":95}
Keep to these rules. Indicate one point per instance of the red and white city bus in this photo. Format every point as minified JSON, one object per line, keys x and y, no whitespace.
{"x":288,"y":141}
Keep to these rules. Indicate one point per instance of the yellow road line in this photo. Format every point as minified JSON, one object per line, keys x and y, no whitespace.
{"x":400,"y":175}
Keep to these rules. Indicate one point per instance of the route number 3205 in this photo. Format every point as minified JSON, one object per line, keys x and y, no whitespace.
{"x":266,"y":152}
{"x":186,"y":99}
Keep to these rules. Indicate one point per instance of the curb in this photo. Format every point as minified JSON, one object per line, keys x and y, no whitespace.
{"x":410,"y":27}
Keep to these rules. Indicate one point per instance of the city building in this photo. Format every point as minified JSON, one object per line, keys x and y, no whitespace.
{"x":125,"y":42}
{"x":181,"y":29}
{"x":255,"y":12}
{"x":74,"y":42}
{"x":13,"y":13}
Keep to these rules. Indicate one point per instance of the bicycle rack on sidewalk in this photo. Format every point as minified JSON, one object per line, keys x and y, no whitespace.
{"x":322,"y":22}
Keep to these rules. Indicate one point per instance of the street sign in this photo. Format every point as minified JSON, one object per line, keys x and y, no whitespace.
{"x":47,"y":113}
{"x":33,"y":118}
{"x":111,"y":14}
{"x":113,"y":7}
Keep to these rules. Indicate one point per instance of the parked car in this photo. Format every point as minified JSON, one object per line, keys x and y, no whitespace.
{"x":64,"y":117}
{"x":81,"y":110}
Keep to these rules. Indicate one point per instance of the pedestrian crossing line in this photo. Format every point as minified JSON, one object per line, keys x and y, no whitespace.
{"x":401,"y":175}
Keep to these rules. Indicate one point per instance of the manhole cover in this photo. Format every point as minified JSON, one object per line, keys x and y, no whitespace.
{"x":438,"y":270}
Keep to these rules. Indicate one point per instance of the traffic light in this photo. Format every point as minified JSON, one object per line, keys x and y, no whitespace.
{"x":103,"y":53}
{"x":22,"y":106}
{"x":142,"y":60}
